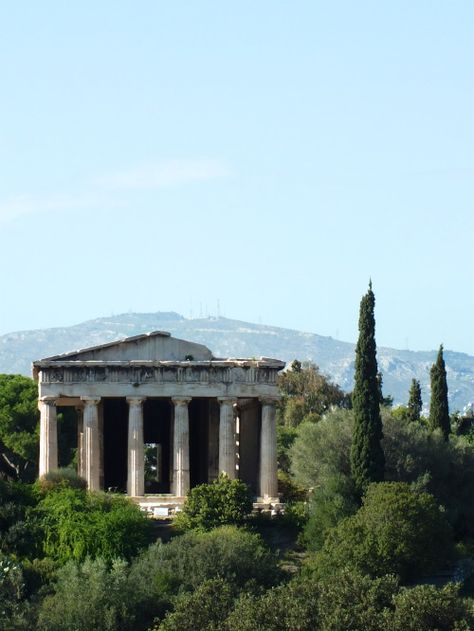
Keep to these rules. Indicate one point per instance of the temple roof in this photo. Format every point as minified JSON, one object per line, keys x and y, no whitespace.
{"x":154,"y":348}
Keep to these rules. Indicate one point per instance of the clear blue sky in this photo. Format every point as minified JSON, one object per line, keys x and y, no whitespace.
{"x":268,"y":155}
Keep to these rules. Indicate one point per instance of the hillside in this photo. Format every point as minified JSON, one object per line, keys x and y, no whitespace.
{"x":233,"y":338}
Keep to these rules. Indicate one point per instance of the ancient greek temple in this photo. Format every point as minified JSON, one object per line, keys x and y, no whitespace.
{"x":157,"y":415}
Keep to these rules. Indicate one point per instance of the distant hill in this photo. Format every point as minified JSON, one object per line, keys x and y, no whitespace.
{"x":233,"y":338}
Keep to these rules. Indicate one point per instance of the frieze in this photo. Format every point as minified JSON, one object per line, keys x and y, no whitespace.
{"x":162,"y":374}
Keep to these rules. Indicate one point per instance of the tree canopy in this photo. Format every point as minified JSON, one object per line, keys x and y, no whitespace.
{"x":307,"y":394}
{"x":19,"y":427}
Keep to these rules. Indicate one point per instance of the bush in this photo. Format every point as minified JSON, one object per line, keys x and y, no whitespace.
{"x":17,"y":527}
{"x":229,"y":553}
{"x":352,"y":601}
{"x":204,"y":609}
{"x":292,"y":607}
{"x":397,"y":531}
{"x":90,"y":596}
{"x":223,"y":502}
{"x":322,"y":449}
{"x":76,"y":524}
{"x":424,"y":608}
{"x":328,"y":506}
{"x":66,"y":477}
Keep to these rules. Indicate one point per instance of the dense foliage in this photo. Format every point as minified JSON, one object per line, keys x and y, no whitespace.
{"x":76,"y":524}
{"x":307,"y":394}
{"x":19,"y":427}
{"x":17,"y":527}
{"x":235,"y":555}
{"x":396,"y":531}
{"x":321,"y":461}
{"x":367,"y":457}
{"x":90,"y":596}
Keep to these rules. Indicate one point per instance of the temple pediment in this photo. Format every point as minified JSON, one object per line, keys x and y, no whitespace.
{"x":155,"y":346}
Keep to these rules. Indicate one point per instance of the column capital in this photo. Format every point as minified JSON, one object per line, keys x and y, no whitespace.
{"x":135,"y":400}
{"x":90,"y":400}
{"x":227,"y":400}
{"x":181,"y":400}
{"x":269,"y":400}
{"x":49,"y":400}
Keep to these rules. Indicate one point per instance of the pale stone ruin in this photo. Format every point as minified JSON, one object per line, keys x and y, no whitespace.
{"x":158,"y":415}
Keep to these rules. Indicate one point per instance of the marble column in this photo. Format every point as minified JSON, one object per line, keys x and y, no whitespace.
{"x":268,"y":450}
{"x":91,"y":442}
{"x":136,"y":452}
{"x":48,"y":459}
{"x":213,"y":440}
{"x":181,"y":477}
{"x":81,"y":456}
{"x":227,"y":447}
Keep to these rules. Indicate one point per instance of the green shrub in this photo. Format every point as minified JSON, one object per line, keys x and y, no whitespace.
{"x":229,"y":553}
{"x":18,"y":532}
{"x":424,"y":608}
{"x":90,"y":596}
{"x":329,"y":504}
{"x":292,"y":607}
{"x":76,"y":524}
{"x":204,"y":609}
{"x":323,"y":449}
{"x":396,"y":531}
{"x":66,"y":477}
{"x":223,"y":502}
{"x":351,"y":601}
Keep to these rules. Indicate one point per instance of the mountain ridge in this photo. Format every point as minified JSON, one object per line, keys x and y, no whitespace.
{"x":237,"y":338}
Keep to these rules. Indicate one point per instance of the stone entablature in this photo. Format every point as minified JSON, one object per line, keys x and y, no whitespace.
{"x":238,"y":371}
{"x":239,"y":395}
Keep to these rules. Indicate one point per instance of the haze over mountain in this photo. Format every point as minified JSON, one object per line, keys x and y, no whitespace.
{"x":233,"y":338}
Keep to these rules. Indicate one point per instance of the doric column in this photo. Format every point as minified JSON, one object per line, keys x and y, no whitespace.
{"x":136,"y":455}
{"x":227,"y":437}
{"x":181,"y":480}
{"x":80,"y":442}
{"x":268,"y":449}
{"x":213,"y":440}
{"x":48,"y":435}
{"x":91,"y":442}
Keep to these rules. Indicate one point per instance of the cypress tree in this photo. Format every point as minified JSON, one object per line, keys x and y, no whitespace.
{"x":415,"y":404}
{"x":439,"y":408}
{"x":367,"y":457}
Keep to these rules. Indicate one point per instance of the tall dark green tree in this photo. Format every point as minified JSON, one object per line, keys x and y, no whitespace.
{"x":439,"y":408}
{"x":415,"y":403}
{"x":367,"y":457}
